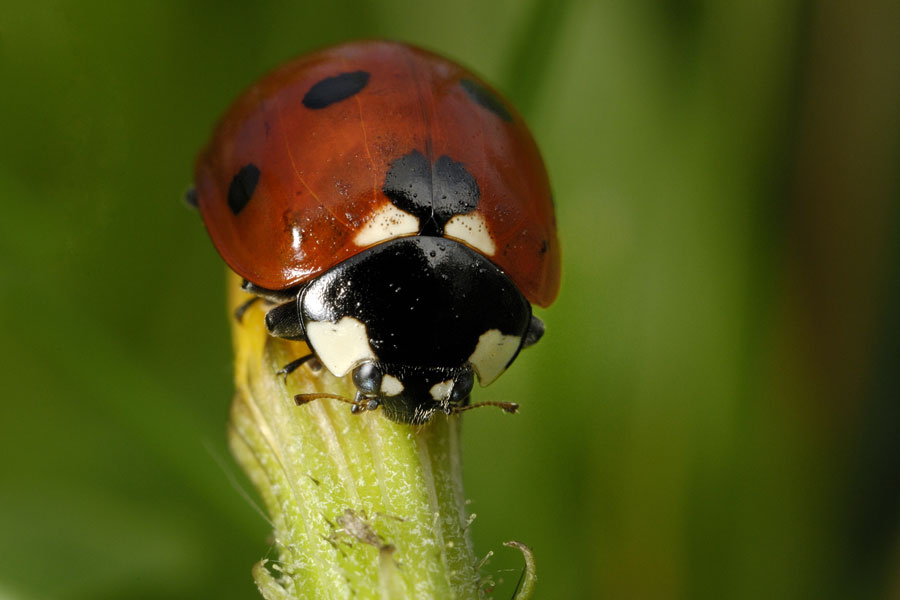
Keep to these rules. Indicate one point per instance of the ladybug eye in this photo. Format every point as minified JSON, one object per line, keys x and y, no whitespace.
{"x":462,"y":385}
{"x":367,"y":378}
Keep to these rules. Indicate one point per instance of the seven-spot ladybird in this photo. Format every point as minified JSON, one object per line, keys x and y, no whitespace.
{"x":395,"y":211}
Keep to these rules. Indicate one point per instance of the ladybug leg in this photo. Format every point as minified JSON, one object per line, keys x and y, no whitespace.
{"x":294,"y":365}
{"x":283,"y":321}
{"x":240,"y":310}
{"x":535,"y":332}
{"x":274,"y":296}
{"x":190,"y":198}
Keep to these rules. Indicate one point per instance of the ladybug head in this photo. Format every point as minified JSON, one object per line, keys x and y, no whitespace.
{"x":412,"y":394}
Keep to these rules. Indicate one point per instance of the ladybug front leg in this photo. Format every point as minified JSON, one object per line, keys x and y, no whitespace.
{"x":294,"y":365}
{"x":260,"y":293}
{"x":535,"y":332}
{"x":273,"y":296}
{"x":283,"y":321}
{"x":240,"y":310}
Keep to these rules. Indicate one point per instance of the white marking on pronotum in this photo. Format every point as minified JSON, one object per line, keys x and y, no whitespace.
{"x":386,"y":223}
{"x":390,"y":385}
{"x":473,"y":230}
{"x":339,"y":345}
{"x":492,"y":354}
{"x":441,"y":391}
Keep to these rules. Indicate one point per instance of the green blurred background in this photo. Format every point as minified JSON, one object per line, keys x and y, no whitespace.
{"x":713,"y":412}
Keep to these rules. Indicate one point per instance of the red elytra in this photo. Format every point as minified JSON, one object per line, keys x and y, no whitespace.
{"x":321,"y":170}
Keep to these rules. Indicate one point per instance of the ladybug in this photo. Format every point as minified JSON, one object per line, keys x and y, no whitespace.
{"x":395,"y":213}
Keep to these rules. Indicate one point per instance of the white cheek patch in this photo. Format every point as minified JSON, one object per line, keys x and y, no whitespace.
{"x":391,"y":386}
{"x":339,"y":345}
{"x":492,"y":354}
{"x":386,"y":223}
{"x":441,"y":391}
{"x":473,"y":230}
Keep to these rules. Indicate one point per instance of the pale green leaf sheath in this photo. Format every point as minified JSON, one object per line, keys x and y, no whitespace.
{"x":360,"y":506}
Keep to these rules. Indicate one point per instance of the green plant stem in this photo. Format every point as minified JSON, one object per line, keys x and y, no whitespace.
{"x":529,"y":574}
{"x":360,"y":506}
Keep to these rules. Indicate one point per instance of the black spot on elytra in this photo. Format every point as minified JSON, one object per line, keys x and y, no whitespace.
{"x":485,"y":98}
{"x":334,"y":89}
{"x":242,"y":187}
{"x":545,"y":245}
{"x":433,"y":193}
